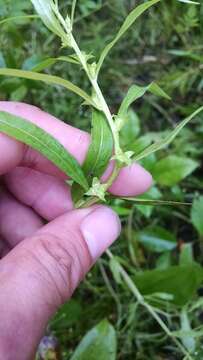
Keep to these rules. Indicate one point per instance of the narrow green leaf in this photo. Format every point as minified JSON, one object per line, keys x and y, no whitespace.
{"x":99,"y":153}
{"x":19,"y":17}
{"x":152,"y":194}
{"x":155,"y":89}
{"x":156,"y":202}
{"x":129,"y":21}
{"x":168,"y":139}
{"x":50,"y":79}
{"x":98,"y":344}
{"x":44,"y":8}
{"x":101,"y":148}
{"x":197,"y":214}
{"x":195,"y":334}
{"x":186,"y":54}
{"x":189,"y":2}
{"x":135,"y":92}
{"x":38,"y":139}
{"x":172,"y":169}
{"x":37,"y":64}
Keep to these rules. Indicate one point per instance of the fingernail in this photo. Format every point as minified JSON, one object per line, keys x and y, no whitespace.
{"x":100,"y":229}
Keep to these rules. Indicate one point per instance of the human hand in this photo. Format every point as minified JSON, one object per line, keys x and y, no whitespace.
{"x":41,"y":265}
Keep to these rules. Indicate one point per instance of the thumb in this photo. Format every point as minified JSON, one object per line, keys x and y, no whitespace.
{"x":41,"y":273}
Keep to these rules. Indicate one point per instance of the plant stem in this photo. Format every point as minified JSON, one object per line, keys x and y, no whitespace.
{"x":92,"y":78}
{"x":132,"y":287}
{"x":102,"y":102}
{"x":98,"y":92}
{"x":111,"y":291}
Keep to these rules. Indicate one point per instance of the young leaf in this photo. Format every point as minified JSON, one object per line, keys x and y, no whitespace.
{"x":44,"y":8}
{"x":101,"y":148}
{"x":38,"y":139}
{"x":172,"y":169}
{"x":51,"y":79}
{"x":129,"y":21}
{"x":168,"y":139}
{"x":99,"y":153}
{"x":98,"y":344}
{"x":135,"y":92}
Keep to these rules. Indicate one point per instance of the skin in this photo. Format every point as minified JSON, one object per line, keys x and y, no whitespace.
{"x":47,"y":247}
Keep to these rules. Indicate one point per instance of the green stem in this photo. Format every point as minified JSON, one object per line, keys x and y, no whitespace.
{"x":98,"y":92}
{"x":102,"y":104}
{"x":132,"y":287}
{"x":93,"y":79}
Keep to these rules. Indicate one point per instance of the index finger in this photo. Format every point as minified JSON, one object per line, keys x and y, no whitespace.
{"x":15,"y":154}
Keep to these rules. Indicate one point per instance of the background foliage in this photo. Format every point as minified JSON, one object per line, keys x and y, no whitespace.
{"x":160,"y":247}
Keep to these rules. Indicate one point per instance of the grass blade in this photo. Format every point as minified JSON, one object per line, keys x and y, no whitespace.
{"x":38,"y":139}
{"x":129,"y":21}
{"x":168,"y":139}
{"x":51,"y":79}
